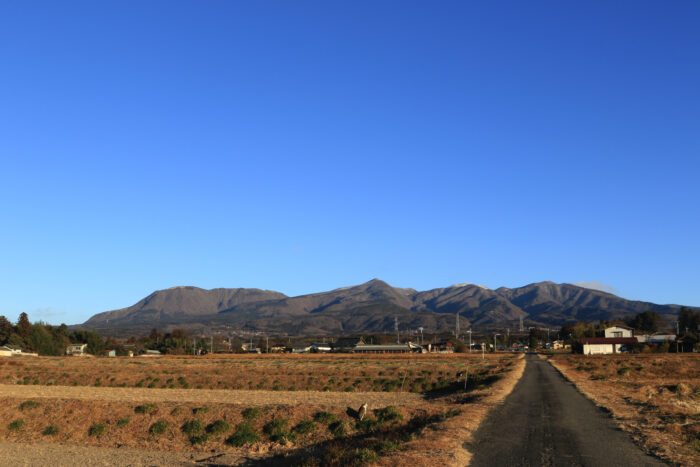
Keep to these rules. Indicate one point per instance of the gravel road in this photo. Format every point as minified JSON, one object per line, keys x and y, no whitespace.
{"x":199,"y":396}
{"x":545,"y":421}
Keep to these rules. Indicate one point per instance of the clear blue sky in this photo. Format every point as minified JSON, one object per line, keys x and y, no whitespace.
{"x":303,"y":146}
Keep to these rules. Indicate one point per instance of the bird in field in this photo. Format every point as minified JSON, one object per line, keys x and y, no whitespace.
{"x":362,"y":412}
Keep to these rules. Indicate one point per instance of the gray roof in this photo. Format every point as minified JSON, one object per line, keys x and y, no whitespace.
{"x":387,"y":347}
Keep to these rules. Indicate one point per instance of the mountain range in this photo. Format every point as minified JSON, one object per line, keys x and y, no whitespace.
{"x":369,"y":307}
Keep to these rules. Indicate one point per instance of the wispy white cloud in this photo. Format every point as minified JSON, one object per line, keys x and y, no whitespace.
{"x":596,"y":285}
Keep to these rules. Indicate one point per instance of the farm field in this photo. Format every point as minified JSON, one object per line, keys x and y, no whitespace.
{"x":418,"y":406}
{"x":344,"y":372}
{"x":655,"y":397}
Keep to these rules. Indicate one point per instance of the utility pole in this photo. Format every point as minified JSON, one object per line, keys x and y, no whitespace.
{"x":494,"y":342}
{"x":483,"y":347}
{"x":212,"y":345}
{"x":267,"y":344}
{"x":396,"y":327}
{"x":470,"y":340}
{"x":457,"y":325}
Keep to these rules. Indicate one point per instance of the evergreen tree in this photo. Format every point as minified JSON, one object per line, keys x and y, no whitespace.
{"x":647,"y":321}
{"x":6,"y":330}
{"x":24,"y":327}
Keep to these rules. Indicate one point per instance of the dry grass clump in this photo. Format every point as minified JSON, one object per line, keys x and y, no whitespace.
{"x":28,"y":405}
{"x":50,"y":430}
{"x":16,"y":425}
{"x":218,"y":427}
{"x":244,"y":434}
{"x":656,"y":397}
{"x":97,"y":429}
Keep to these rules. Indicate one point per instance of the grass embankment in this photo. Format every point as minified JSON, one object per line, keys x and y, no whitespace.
{"x":655,"y":397}
{"x":178,"y":427}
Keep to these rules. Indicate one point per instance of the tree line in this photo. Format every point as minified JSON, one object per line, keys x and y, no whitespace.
{"x":46,"y":339}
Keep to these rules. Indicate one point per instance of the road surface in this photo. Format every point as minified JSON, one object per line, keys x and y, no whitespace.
{"x":545,"y":421}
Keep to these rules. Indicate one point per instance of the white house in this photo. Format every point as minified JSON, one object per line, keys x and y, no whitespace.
{"x":10,"y":351}
{"x":606,"y":345}
{"x":76,"y":349}
{"x":618,"y":331}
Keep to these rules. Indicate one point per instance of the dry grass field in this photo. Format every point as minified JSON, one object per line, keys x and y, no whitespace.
{"x":346,"y":372}
{"x":655,"y":397}
{"x":293,"y":410}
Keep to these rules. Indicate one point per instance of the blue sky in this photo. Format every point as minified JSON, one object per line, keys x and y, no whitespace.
{"x":303,"y":146}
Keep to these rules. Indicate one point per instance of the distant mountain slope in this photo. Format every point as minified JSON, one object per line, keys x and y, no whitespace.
{"x":372,"y":307}
{"x":179,"y":302}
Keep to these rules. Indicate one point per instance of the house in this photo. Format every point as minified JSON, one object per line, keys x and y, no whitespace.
{"x":249,"y":347}
{"x":320,"y":347}
{"x":153,"y":353}
{"x":618,"y":331}
{"x":558,"y":345}
{"x":78,"y":350}
{"x":10,"y":351}
{"x":606,"y":345}
{"x":441,"y":347}
{"x":112,"y":353}
{"x":408,"y":347}
{"x":301,"y":348}
{"x":347,"y":344}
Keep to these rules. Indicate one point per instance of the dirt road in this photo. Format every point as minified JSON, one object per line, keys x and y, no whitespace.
{"x":545,"y":421}
{"x":201,"y":396}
